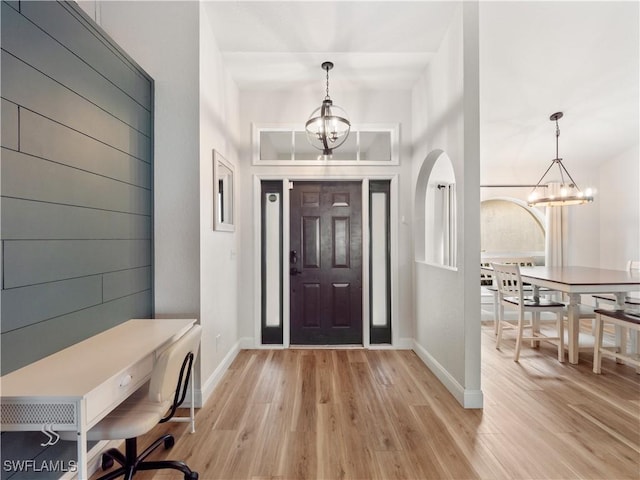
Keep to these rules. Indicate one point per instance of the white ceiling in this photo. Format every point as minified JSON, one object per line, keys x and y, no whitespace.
{"x":536,"y":58}
{"x":281,"y":45}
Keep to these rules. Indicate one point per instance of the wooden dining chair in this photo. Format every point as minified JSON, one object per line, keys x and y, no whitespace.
{"x":511,"y":295}
{"x":632,"y":300}
{"x":489,"y":285}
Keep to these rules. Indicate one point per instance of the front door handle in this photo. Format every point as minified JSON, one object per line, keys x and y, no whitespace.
{"x":294,"y":271}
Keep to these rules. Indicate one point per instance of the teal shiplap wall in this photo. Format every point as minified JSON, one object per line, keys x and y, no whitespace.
{"x":77,"y":182}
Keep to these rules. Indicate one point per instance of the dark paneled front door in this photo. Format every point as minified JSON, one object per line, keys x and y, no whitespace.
{"x":326,"y":263}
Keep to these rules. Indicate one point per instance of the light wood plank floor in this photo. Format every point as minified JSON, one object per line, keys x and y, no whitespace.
{"x":357,"y":414}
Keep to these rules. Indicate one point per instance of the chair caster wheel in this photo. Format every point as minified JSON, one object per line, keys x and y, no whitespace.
{"x":106,"y":463}
{"x":169,"y":442}
{"x":191,"y":476}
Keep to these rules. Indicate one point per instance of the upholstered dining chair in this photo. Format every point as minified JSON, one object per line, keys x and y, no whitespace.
{"x":155,"y":402}
{"x":511,"y":294}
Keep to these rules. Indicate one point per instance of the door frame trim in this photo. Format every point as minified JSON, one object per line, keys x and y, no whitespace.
{"x":257,"y":245}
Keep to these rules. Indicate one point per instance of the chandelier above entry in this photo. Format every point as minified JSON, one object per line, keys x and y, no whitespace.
{"x":328,"y":126}
{"x":562,"y":192}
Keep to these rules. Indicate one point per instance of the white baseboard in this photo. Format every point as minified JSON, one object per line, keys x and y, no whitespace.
{"x":466,"y":398}
{"x":210,"y":384}
{"x":473,"y":399}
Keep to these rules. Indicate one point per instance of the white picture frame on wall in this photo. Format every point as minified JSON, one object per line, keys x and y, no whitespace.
{"x":223,"y":194}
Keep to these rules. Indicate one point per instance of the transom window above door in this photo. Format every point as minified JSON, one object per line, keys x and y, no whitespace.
{"x":288,"y":145}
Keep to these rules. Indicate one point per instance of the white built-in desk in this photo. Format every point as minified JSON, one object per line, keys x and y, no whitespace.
{"x":75,"y":388}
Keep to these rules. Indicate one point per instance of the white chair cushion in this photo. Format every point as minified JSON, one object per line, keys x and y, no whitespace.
{"x":132,"y":418}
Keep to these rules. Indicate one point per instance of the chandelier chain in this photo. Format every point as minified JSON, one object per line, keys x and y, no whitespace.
{"x":558,"y":161}
{"x":557,"y":135}
{"x":327,"y":96}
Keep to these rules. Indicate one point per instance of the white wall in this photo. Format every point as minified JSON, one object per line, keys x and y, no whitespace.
{"x":219,"y":130}
{"x":618,"y":202}
{"x":277,"y":107}
{"x":163,"y":38}
{"x":196,"y":107}
{"x":446,"y":116}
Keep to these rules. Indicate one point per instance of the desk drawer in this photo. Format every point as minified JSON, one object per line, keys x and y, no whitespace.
{"x":116,"y":389}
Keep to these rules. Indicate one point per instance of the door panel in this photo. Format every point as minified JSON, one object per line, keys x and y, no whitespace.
{"x":341,"y":242}
{"x":311,"y":304}
{"x":311,"y":242}
{"x":341,"y":299}
{"x":326,"y":263}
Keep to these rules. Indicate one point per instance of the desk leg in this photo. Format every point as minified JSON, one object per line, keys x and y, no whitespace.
{"x":192,"y":412}
{"x":574,"y":327}
{"x":82,"y":442}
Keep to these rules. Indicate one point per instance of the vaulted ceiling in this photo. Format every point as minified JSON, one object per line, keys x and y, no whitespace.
{"x":536,"y":58}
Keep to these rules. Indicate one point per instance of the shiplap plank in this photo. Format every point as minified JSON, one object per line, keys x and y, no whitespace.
{"x":32,"y":178}
{"x":15,"y":4}
{"x":28,"y":305}
{"x":26,"y":345}
{"x":84,"y":40}
{"x":126,"y":282}
{"x":26,"y":219}
{"x":9,"y":125}
{"x":44,"y":138}
{"x":40,"y":261}
{"x":26,"y":41}
{"x":27,"y":87}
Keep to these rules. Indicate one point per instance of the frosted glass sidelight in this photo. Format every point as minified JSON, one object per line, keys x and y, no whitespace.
{"x":272,"y":259}
{"x":379,"y":260}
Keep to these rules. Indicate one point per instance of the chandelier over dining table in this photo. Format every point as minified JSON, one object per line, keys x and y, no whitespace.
{"x":567,"y":191}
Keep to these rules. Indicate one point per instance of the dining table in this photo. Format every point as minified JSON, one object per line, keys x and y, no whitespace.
{"x":576,"y":281}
